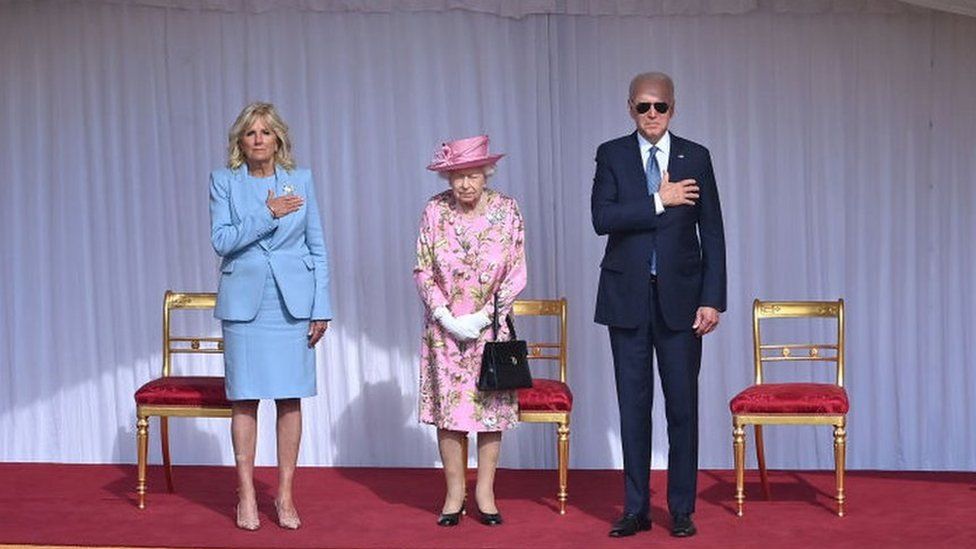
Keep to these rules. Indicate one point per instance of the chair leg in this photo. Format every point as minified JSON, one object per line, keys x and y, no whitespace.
{"x":464,"y":462}
{"x":761,"y":460}
{"x":840,"y":446}
{"x":164,"y":440}
{"x":739,"y":451}
{"x":142,"y":447}
{"x":563,"y":446}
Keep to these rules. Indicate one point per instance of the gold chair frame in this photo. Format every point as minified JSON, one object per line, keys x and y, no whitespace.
{"x":551,"y":351}
{"x":763,"y":353}
{"x":172,"y":346}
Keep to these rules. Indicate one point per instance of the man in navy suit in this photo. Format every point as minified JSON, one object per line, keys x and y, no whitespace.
{"x":662,"y":288}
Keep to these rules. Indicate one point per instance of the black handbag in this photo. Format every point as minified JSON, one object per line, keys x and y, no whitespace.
{"x":504,"y":364}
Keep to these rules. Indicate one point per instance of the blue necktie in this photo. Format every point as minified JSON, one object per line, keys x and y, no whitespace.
{"x":653,"y":174}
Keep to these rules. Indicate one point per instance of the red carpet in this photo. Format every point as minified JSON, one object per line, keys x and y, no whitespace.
{"x":94,"y":505}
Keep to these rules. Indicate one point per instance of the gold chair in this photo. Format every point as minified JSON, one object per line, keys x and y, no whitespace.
{"x":791,"y":403}
{"x":549,"y":400}
{"x":178,"y":396}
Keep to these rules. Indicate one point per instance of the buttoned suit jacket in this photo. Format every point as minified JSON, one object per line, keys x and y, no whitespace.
{"x":294,"y":252}
{"x":689,"y":241}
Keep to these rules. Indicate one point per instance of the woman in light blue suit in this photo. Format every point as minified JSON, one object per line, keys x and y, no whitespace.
{"x":273,"y":298}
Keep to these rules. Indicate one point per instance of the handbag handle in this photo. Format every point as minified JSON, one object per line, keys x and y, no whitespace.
{"x":495,"y":325}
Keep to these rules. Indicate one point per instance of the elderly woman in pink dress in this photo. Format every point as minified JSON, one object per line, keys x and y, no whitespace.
{"x":471,"y":247}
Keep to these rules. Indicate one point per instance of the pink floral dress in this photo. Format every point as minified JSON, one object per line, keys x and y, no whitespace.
{"x":461,"y":263}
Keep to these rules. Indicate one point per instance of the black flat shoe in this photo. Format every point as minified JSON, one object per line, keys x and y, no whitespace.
{"x":628,"y":525}
{"x":489,"y":519}
{"x":683,"y":527}
{"x":450,"y":519}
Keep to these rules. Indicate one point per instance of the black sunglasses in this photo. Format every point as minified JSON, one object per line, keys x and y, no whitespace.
{"x":660,"y":107}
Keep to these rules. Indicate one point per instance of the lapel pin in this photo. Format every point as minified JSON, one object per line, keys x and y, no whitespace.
{"x":288,"y":189}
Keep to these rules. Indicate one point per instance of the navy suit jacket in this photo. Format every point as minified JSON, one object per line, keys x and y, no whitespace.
{"x":295,"y":253}
{"x":689,"y":240}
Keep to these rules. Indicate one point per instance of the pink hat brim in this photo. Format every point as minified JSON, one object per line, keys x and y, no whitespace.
{"x":490,"y":159}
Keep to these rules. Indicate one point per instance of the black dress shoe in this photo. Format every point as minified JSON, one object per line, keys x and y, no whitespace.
{"x":450,"y":519}
{"x":628,"y":525}
{"x":489,"y":519}
{"x":683,"y":527}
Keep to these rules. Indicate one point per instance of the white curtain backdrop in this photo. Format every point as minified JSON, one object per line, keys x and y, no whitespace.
{"x":843,"y":141}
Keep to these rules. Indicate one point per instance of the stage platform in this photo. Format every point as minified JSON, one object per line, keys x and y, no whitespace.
{"x":94,"y":506}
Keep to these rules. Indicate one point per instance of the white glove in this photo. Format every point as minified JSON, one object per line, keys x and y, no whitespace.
{"x":475,"y":322}
{"x":461,"y":332}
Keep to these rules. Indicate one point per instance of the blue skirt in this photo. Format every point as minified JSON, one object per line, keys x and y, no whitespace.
{"x":268,"y":357}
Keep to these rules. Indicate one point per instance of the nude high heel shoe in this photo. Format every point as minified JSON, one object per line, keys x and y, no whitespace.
{"x":289,"y":521}
{"x":243,"y":524}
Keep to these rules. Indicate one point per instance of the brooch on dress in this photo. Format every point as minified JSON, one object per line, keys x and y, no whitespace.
{"x":288,"y":189}
{"x":495,"y":216}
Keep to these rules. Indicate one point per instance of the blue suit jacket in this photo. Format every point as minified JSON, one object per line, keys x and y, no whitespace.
{"x":689,"y":240}
{"x":295,"y":253}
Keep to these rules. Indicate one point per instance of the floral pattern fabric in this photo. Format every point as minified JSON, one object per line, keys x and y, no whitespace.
{"x":462,"y":262}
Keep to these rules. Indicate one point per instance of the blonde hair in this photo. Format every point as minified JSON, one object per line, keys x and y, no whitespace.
{"x":270,"y":116}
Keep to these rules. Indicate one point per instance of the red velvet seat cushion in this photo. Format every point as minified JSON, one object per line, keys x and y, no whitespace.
{"x":184,"y":391}
{"x":546,"y":395}
{"x":791,"y":398}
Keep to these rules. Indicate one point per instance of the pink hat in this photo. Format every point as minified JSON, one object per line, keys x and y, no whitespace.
{"x":465,"y":153}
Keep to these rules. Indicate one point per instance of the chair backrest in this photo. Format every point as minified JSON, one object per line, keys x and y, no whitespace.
{"x":546,"y":350}
{"x":173,"y":301}
{"x":804,"y":352}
